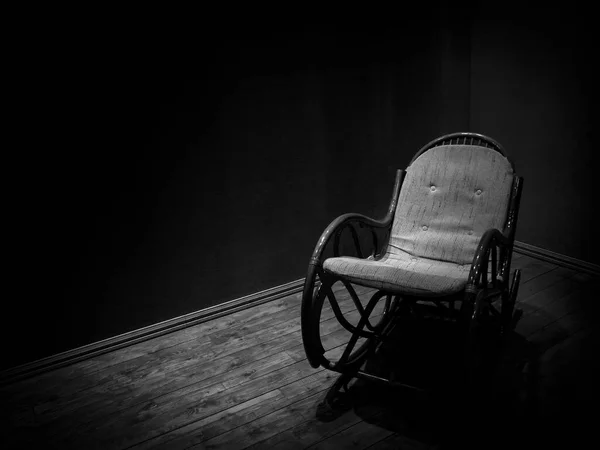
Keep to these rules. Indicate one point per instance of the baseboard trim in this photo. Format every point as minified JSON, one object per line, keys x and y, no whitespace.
{"x":556,"y":258}
{"x":142,"y":334}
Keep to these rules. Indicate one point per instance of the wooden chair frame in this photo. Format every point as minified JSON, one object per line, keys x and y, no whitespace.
{"x":488,"y":281}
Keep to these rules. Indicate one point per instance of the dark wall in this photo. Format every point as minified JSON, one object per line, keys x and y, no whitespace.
{"x":532,"y":78}
{"x":156,"y":172}
{"x":161,"y":172}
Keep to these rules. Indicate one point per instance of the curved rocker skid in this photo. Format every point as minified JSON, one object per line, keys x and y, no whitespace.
{"x":312,"y":300}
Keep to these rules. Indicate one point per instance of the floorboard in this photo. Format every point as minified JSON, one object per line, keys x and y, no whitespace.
{"x":243,"y":382}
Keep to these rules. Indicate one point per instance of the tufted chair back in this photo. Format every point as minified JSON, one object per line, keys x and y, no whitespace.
{"x":450,"y":196}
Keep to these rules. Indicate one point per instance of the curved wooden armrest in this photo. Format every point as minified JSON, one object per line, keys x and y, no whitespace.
{"x":492,"y":240}
{"x":338,"y":224}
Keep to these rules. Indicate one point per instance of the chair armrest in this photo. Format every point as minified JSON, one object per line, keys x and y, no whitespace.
{"x":492,"y":240}
{"x":337,"y":225}
{"x":344,"y":220}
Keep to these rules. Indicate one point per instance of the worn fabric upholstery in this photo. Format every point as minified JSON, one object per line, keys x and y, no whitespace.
{"x":450,"y":196}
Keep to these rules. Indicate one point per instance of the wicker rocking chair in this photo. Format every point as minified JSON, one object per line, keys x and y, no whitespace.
{"x":445,"y":244}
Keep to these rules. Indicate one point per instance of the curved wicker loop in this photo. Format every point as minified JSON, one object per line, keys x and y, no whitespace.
{"x":311,"y":319}
{"x":487,"y":281}
{"x":382,"y":321}
{"x":491,"y":241}
{"x":349,"y":359}
{"x":352,"y":359}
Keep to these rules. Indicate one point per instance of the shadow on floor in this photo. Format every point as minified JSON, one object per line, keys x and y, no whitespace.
{"x":526,"y":400}
{"x":448,"y":413}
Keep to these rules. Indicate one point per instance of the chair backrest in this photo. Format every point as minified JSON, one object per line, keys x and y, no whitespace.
{"x":450,"y":196}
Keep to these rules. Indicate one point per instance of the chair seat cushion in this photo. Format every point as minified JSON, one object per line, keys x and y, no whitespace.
{"x":402,"y":273}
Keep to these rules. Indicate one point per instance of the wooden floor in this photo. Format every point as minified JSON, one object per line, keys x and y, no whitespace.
{"x":242,"y":381}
